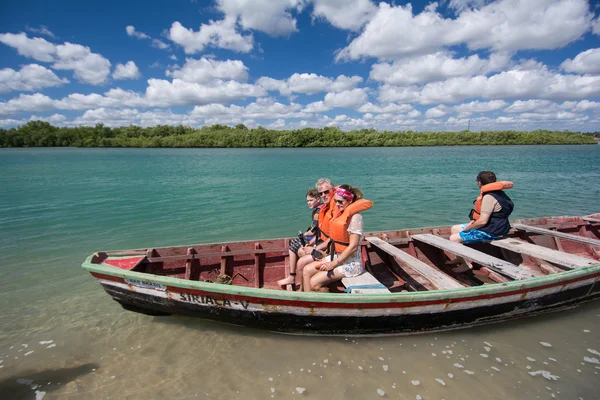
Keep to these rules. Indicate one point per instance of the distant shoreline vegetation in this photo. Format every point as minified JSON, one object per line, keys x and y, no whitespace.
{"x":43,"y":134}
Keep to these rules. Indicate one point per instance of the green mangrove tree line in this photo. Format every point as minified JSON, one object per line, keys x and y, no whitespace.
{"x":43,"y":134}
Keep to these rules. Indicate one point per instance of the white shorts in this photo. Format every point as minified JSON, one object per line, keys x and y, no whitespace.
{"x":351,"y":268}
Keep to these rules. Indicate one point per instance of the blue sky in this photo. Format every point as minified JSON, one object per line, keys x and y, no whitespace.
{"x":289,"y":64}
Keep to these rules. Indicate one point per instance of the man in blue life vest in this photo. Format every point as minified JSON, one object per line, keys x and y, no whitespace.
{"x":489,"y":216}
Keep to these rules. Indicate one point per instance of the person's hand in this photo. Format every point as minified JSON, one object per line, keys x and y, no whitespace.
{"x":324,"y":266}
{"x":327,"y":266}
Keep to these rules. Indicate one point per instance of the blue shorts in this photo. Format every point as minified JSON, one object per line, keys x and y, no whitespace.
{"x":475,"y":236}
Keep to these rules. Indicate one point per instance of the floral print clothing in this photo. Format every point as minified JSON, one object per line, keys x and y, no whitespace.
{"x":353,"y":266}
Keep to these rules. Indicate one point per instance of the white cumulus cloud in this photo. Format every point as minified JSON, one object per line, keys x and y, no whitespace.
{"x":505,"y":25}
{"x":161,"y":92}
{"x":512,"y":84}
{"x":344,"y":14}
{"x":347,"y":98}
{"x":36,"y":48}
{"x":266,"y":108}
{"x":269,"y":16}
{"x":29,"y":78}
{"x":159,"y":44}
{"x":386,"y":108}
{"x":27,"y":103}
{"x":586,"y":62}
{"x":126,"y":71}
{"x":42,"y":30}
{"x":531,"y":106}
{"x":582,"y":106}
{"x":435,"y":67}
{"x":205,"y":70}
{"x":480,"y":106}
{"x":309,"y":84}
{"x":435,"y":112}
{"x":124,"y":117}
{"x":316,"y":107}
{"x":130,"y":29}
{"x":219,"y":34}
{"x":87,"y":66}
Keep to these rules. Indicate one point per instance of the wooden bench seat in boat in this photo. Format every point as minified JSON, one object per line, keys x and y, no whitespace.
{"x":590,"y":219}
{"x":364,"y":283}
{"x":562,"y":235}
{"x":495,"y":264}
{"x":569,"y":261}
{"x":438,"y":279}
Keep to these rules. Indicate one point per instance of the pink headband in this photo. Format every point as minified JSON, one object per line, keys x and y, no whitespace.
{"x":345,"y":194}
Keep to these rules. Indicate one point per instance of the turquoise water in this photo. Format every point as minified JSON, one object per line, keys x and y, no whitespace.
{"x":59,"y":205}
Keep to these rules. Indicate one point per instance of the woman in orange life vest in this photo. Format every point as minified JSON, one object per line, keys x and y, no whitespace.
{"x":307,"y":254}
{"x":345,"y":232}
{"x":489,"y":217}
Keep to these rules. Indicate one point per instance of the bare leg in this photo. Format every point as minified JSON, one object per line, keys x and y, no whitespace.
{"x":290,"y":279}
{"x":456,"y":229}
{"x":462,"y":264}
{"x":294,"y":265}
{"x":308,"y":272}
{"x":303,"y":262}
{"x":323,"y":278}
{"x":455,"y":237}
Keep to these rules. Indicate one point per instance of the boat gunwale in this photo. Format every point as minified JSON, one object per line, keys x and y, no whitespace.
{"x":457,"y":294}
{"x":451,"y":295}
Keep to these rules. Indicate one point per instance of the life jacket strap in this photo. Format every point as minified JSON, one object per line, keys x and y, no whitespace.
{"x":331,"y":246}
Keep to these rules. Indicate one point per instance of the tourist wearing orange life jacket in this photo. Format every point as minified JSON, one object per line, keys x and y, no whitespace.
{"x":489,"y":216}
{"x":308,"y":254}
{"x":345,"y":229}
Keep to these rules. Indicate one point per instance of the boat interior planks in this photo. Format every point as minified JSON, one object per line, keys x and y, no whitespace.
{"x":438,"y":279}
{"x":495,"y":264}
{"x":566,"y":260}
{"x":388,"y":265}
{"x":554,"y":233}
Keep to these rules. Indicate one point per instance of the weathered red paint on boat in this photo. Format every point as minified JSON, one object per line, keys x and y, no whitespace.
{"x":384,"y":304}
{"x":155,"y":286}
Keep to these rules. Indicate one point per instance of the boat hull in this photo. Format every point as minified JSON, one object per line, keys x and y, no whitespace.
{"x":398,"y":313}
{"x":552,"y":270}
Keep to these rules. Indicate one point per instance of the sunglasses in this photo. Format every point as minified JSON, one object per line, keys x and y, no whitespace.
{"x":338,"y":201}
{"x":325,"y":192}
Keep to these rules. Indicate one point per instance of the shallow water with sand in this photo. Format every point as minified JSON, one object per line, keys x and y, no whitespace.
{"x":62,"y":337}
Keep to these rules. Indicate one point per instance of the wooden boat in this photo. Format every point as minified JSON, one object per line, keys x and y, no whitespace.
{"x":544,"y":264}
